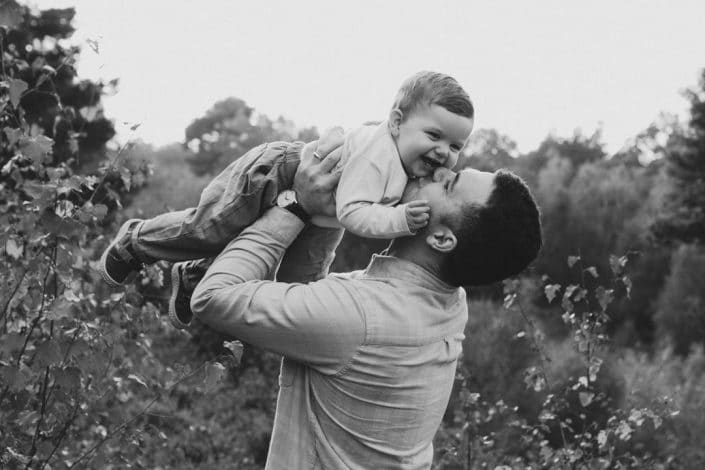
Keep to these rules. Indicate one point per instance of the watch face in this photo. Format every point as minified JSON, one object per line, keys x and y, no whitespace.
{"x":285,"y":198}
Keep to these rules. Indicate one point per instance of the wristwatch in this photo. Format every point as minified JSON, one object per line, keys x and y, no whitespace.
{"x":287,"y":200}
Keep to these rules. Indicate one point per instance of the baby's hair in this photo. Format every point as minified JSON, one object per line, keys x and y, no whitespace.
{"x":429,"y":88}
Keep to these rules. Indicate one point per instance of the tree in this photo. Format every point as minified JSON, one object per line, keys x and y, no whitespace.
{"x":683,"y":216}
{"x":40,"y":76}
{"x":226,"y":132}
{"x":488,"y":150}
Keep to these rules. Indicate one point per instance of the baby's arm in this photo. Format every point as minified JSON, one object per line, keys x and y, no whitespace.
{"x":360,"y":208}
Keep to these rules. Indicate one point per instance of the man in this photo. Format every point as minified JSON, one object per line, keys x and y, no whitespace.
{"x":369,"y":356}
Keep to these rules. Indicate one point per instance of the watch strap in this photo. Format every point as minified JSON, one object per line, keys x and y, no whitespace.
{"x":296,"y":209}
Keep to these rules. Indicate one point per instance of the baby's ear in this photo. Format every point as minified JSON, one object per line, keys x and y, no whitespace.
{"x":395,"y":119}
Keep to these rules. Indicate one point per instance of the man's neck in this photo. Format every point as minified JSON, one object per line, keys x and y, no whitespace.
{"x":416,"y":251}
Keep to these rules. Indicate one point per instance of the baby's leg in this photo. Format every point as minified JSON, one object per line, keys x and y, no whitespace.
{"x":231,"y":202}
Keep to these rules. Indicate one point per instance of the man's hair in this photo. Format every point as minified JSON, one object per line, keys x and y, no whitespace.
{"x":429,"y":88}
{"x":497,"y":239}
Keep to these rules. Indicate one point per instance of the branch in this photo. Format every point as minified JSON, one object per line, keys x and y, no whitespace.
{"x":135,"y":417}
{"x":41,"y":307}
{"x":14,"y":291}
{"x":62,"y":434}
{"x":33,"y":449}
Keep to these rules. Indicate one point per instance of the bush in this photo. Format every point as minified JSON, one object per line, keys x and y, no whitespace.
{"x":680,"y":316}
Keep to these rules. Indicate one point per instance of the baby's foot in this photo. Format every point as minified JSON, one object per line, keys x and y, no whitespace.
{"x":119,"y":259}
{"x":180,"y":312}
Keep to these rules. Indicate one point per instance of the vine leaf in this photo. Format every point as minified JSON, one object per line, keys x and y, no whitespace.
{"x":14,"y":248}
{"x":572,"y":260}
{"x":236,"y":348}
{"x":37,"y":148}
{"x":586,"y":398}
{"x":214,"y":374}
{"x":17,"y":87}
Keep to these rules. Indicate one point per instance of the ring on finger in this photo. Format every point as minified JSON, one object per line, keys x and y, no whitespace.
{"x":317,"y":156}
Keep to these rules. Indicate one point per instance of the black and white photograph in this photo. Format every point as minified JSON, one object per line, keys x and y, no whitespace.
{"x":328,"y":235}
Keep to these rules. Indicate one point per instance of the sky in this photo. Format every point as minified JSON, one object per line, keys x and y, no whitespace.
{"x":531,"y":68}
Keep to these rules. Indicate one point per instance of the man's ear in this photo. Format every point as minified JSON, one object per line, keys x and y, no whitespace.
{"x":442,"y":239}
{"x":395,"y":119}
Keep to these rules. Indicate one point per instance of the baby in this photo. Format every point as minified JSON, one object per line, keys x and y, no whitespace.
{"x":428,"y":125}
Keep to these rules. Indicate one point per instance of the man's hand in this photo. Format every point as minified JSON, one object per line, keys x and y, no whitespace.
{"x":417,"y":214}
{"x":315,"y":180}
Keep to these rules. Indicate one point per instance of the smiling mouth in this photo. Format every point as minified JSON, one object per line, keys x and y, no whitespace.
{"x":432,"y":162}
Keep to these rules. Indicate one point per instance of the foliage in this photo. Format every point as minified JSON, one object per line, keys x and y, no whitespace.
{"x":93,"y":378}
{"x":226,"y":132}
{"x":581,"y":420}
{"x":680,"y":315}
{"x":684,"y":218}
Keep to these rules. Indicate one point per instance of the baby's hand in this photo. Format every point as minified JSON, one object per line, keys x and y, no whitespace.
{"x":417,"y":214}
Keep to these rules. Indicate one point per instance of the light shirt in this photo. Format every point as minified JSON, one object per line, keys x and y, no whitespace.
{"x":371,"y":185}
{"x":369,"y":356}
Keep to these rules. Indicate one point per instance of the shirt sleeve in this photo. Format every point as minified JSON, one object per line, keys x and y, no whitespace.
{"x":319,"y":323}
{"x":310,"y":256}
{"x":359,"y":204}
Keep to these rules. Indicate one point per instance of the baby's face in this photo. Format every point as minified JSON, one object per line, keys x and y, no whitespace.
{"x":431,"y":137}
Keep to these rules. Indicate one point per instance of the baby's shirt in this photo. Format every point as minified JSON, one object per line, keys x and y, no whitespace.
{"x":372,"y":184}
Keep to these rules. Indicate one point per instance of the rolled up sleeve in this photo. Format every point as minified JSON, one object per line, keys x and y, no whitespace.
{"x":318,"y":323}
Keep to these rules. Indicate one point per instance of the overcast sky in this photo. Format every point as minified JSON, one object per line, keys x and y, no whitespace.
{"x":531,"y":68}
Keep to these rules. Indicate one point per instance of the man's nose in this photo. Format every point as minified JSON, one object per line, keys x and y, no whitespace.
{"x":442,"y":173}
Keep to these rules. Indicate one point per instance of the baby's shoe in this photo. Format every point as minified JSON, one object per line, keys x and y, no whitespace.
{"x":180,"y":312}
{"x":119,"y":259}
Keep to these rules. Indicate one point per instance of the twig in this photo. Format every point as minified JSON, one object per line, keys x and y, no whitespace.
{"x":9,"y":299}
{"x":135,"y":417}
{"x":110,"y":167}
{"x":62,"y":434}
{"x":41,"y":307}
{"x":33,"y":449}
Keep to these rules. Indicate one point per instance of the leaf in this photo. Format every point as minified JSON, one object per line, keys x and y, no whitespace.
{"x":137,"y":379}
{"x":68,"y":378}
{"x":49,"y":69}
{"x":135,"y":126}
{"x":62,"y":308}
{"x":509,"y":300}
{"x":10,"y":17}
{"x":604,"y":297}
{"x":10,"y":343}
{"x":126,"y":177}
{"x":628,"y":285}
{"x":602,"y":438}
{"x":586,"y":398}
{"x":214,"y":374}
{"x":14,"y":248}
{"x":48,"y":353}
{"x":37,"y":148}
{"x":592,"y":271}
{"x":572,"y":260}
{"x":93,"y":44}
{"x":570,"y":290}
{"x":237,"y":348}
{"x":13,"y":135}
{"x":595,"y":365}
{"x":100,"y":211}
{"x":551,"y":290}
{"x":13,"y":378}
{"x":17,"y":87}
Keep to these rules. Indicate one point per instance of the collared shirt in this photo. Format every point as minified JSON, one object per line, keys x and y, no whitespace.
{"x":369,"y":356}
